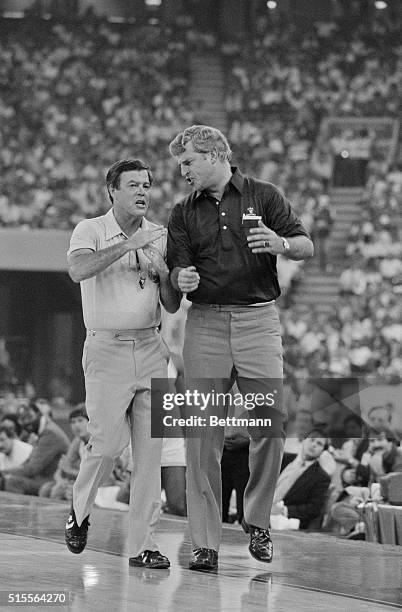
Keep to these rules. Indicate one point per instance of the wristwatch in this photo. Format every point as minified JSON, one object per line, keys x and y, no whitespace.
{"x":286,"y":245}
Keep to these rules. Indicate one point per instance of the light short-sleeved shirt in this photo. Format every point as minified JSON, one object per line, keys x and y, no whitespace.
{"x":114,"y":299}
{"x":19,"y":453}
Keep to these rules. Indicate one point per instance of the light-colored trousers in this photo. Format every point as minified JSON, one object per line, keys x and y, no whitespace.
{"x":220,"y":341}
{"x":118,"y":372}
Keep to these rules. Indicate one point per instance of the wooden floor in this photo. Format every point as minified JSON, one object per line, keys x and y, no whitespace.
{"x":310,"y":571}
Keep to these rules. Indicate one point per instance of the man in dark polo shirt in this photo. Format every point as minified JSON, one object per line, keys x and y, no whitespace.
{"x":232,"y":328}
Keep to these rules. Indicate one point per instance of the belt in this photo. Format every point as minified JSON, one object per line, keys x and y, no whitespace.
{"x":233,"y":306}
{"x":123,"y":334}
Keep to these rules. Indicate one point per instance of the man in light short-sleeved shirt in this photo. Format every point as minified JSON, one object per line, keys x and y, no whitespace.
{"x":119,"y":260}
{"x":114,"y":299}
{"x":13,"y":452}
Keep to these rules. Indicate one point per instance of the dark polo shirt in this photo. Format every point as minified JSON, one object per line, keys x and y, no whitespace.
{"x":209,"y":235}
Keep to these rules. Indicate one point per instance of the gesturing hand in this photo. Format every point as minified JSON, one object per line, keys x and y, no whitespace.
{"x":141,"y":239}
{"x":264,"y":240}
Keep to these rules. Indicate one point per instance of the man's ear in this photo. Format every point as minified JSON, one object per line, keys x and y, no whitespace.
{"x":214,"y":156}
{"x":111,"y":191}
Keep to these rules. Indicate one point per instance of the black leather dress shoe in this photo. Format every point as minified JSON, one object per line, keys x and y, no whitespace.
{"x":74,"y":535}
{"x":261,"y":547}
{"x":151,"y":559}
{"x":203,"y":559}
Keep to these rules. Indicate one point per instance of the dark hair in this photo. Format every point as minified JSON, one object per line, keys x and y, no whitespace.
{"x":124,"y":165}
{"x":78,"y":411}
{"x":344,"y":483}
{"x":390,"y":436}
{"x":10,"y":433}
{"x":14,"y":419}
{"x":318,"y":433}
{"x":353,"y":418}
{"x":31,"y":406}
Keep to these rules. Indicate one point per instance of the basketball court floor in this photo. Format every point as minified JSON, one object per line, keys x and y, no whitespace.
{"x":310,"y":572}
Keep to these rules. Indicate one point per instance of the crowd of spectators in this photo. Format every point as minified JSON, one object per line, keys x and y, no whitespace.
{"x":41,"y":450}
{"x":324,"y":481}
{"x":49,"y":444}
{"x":288,"y":77}
{"x":42,"y":442}
{"x":376,"y":236}
{"x":76,"y":97}
{"x":362,"y":333}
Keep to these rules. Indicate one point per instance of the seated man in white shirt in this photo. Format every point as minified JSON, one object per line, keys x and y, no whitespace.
{"x":13,"y":452}
{"x":302,"y":486}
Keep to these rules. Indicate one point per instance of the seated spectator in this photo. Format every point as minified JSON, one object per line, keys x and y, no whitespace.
{"x":343,"y":512}
{"x":61,"y":487}
{"x":379,"y":417}
{"x":382,"y":457}
{"x":11,"y":421}
{"x":351,"y":444}
{"x":303,"y":425}
{"x":42,"y":463}
{"x":361,"y":357}
{"x":13,"y":452}
{"x":353,"y":280}
{"x":383,"y":454}
{"x":45,"y":407}
{"x":302,"y":485}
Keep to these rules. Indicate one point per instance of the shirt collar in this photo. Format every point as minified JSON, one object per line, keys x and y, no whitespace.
{"x":299,"y":460}
{"x":113,"y":228}
{"x":237,"y":180}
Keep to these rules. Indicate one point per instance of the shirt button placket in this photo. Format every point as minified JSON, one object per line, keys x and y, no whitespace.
{"x":226,"y":242}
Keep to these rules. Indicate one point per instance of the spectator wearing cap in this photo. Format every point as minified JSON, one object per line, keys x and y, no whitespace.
{"x":60,"y":487}
{"x":42,"y":463}
{"x":13,"y":452}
